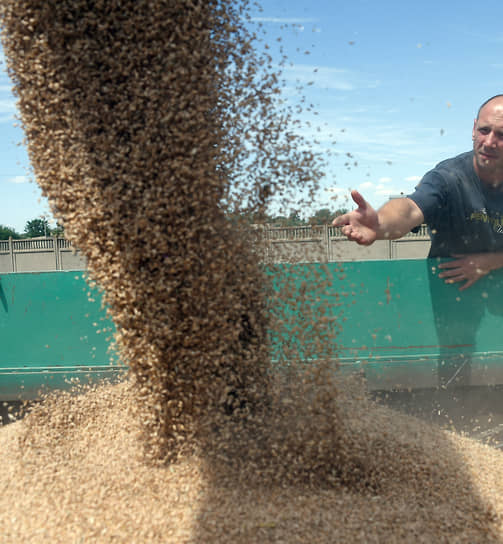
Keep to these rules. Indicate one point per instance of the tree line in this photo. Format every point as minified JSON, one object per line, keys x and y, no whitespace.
{"x":323,"y":216}
{"x":33,"y":229}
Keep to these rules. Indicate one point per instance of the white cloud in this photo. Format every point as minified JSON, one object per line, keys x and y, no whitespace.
{"x":366,"y":185}
{"x":388,"y":191}
{"x":413,"y":178}
{"x":328,"y":78}
{"x":6,"y":118}
{"x":337,"y":190}
{"x":18,"y":179}
{"x":325,"y":77}
{"x":7,"y":105}
{"x":385,"y":180}
{"x":284,"y":20}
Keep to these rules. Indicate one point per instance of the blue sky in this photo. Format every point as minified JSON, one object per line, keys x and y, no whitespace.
{"x":397,"y":85}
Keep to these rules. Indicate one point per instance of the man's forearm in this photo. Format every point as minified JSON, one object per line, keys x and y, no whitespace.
{"x":397,"y":217}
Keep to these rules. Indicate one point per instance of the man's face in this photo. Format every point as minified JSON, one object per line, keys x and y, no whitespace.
{"x":488,"y":142}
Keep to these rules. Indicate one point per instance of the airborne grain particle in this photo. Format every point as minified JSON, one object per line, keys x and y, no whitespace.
{"x":151,"y":127}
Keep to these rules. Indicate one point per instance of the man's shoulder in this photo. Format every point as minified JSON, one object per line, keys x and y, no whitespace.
{"x":460,"y":163}
{"x":447,"y":176}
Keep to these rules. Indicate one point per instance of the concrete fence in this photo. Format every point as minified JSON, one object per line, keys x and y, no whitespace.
{"x":327,"y":244}
{"x":39,"y":254}
{"x":281,"y":244}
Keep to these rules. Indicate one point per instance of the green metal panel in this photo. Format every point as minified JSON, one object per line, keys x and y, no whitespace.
{"x":381,"y":312}
{"x":49,"y":333}
{"x":388,"y":330}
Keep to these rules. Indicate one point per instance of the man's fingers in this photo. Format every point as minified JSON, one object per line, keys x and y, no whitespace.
{"x":358,"y":199}
{"x":350,"y":233}
{"x":455,"y":279}
{"x":345,"y":219}
{"x":450,"y":273}
{"x":449,"y":264}
{"x":354,"y":224}
{"x":469,"y":283}
{"x":355,"y":235}
{"x":341,"y":220}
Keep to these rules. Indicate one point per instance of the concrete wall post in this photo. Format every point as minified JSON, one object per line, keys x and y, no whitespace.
{"x":11,"y":253}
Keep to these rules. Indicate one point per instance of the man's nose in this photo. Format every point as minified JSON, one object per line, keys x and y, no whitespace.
{"x":490,"y":140}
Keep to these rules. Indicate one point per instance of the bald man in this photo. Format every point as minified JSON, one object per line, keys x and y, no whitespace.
{"x":461,"y":201}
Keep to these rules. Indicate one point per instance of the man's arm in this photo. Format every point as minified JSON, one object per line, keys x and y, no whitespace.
{"x":366,"y":225}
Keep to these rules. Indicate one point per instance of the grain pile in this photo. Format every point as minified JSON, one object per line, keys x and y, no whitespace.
{"x":151,"y":127}
{"x":74,"y":471}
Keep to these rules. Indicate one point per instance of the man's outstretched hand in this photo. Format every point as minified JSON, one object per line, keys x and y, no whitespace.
{"x":360,"y":225}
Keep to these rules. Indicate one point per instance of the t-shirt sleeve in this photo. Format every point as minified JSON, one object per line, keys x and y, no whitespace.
{"x":429,"y":195}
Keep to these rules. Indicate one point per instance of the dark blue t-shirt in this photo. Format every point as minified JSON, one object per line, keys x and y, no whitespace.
{"x":464,"y":215}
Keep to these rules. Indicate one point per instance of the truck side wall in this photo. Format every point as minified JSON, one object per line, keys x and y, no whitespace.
{"x":53,"y":328}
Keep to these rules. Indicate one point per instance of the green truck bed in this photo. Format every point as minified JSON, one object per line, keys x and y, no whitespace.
{"x":52,"y":332}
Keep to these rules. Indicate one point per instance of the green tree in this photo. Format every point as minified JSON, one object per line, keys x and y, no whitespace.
{"x":294,"y":219}
{"x":323,"y":216}
{"x":58,"y":230}
{"x":37,"y":227}
{"x":7,"y":232}
{"x":340,"y":211}
{"x":279,"y":221}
